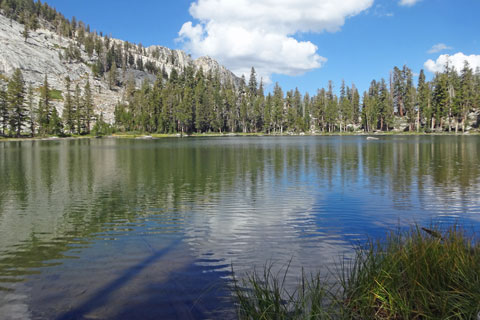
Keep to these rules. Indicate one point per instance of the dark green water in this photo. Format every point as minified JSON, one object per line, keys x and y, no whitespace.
{"x":134,"y":229}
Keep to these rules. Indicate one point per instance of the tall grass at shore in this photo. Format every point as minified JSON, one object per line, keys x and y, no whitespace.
{"x":264,"y":295}
{"x":414,"y":274}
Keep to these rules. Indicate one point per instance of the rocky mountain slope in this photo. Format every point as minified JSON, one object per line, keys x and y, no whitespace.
{"x":43,"y":54}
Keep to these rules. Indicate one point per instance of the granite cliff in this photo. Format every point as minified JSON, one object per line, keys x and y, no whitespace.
{"x":43,"y":53}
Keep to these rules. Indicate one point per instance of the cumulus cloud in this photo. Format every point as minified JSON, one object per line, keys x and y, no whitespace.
{"x":439,"y":47}
{"x":408,"y":3}
{"x":457,"y":61}
{"x":261,"y":33}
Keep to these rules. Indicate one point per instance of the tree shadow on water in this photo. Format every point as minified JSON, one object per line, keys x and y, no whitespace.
{"x":192,"y":292}
{"x":195,"y":292}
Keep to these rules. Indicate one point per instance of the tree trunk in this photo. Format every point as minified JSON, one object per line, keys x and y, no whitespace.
{"x":418,"y":120}
{"x":449,"y":121}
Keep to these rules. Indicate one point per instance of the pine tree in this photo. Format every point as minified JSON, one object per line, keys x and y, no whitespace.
{"x":101,"y":128}
{"x":298,"y":110}
{"x":201,"y":118}
{"x":231,"y":108}
{"x":384,"y":106}
{"x":423,"y":100}
{"x":89,"y":45}
{"x":307,"y":101}
{"x":131,"y":60}
{"x":88,"y":105}
{"x":318,"y":109}
{"x":244,"y":113}
{"x":252,"y":83}
{"x":55,"y":124}
{"x":33,"y":23}
{"x":16,"y":101}
{"x":44,"y":108}
{"x":398,"y":90}
{"x":267,"y":114}
{"x":130,"y":88}
{"x":453,"y":107}
{"x":156,"y":104}
{"x":25,"y":32}
{"x":78,"y":107}
{"x":440,"y":100}
{"x":142,"y":100}
{"x":346,"y":112}
{"x":112,"y":76}
{"x":371,"y":106}
{"x":258,"y":106}
{"x":69,"y":108}
{"x":331,"y":111}
{"x":356,"y":104}
{"x":31,"y":110}
{"x":467,"y":93}
{"x":242,"y":103}
{"x":185,"y":112}
{"x":278,"y":105}
{"x":217,"y":116}
{"x":409,"y":97}
{"x":4,"y":110}
{"x":140,"y":63}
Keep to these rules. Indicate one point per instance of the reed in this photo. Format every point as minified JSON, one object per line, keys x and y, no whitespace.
{"x":415,"y":274}
{"x":263,"y":296}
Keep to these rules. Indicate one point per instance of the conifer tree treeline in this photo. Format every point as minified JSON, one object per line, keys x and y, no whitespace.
{"x":21,"y":114}
{"x":198,"y":102}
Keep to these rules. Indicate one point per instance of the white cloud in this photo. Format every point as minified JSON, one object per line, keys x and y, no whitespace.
{"x":457,"y":61}
{"x":439,"y":47}
{"x":382,"y":11}
{"x":260,"y":33}
{"x":408,"y":3}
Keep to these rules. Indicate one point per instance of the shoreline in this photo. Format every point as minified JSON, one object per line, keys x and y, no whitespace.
{"x":141,"y":136}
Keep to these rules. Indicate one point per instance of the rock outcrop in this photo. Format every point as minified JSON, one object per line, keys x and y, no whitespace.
{"x":41,"y":54}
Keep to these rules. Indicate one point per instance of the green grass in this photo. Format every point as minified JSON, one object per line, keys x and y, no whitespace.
{"x":56,"y":94}
{"x":264,"y":296}
{"x":53,"y":94}
{"x":415,"y":274}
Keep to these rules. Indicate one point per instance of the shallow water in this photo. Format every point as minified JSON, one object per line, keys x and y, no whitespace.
{"x":140,"y":229}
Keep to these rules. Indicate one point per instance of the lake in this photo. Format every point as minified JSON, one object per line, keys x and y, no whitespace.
{"x":150,"y":229}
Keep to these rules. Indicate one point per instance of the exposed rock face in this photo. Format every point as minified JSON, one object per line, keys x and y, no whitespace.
{"x":41,"y":54}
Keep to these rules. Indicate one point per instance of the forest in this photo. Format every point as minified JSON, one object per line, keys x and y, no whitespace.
{"x":194,"y":101}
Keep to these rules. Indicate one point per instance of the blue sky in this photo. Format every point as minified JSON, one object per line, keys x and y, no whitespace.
{"x":355,"y":40}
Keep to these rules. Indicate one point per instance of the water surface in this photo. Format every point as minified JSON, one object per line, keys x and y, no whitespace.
{"x":139,"y":229}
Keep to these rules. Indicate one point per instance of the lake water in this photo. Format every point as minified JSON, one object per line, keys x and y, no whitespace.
{"x":150,"y":229}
